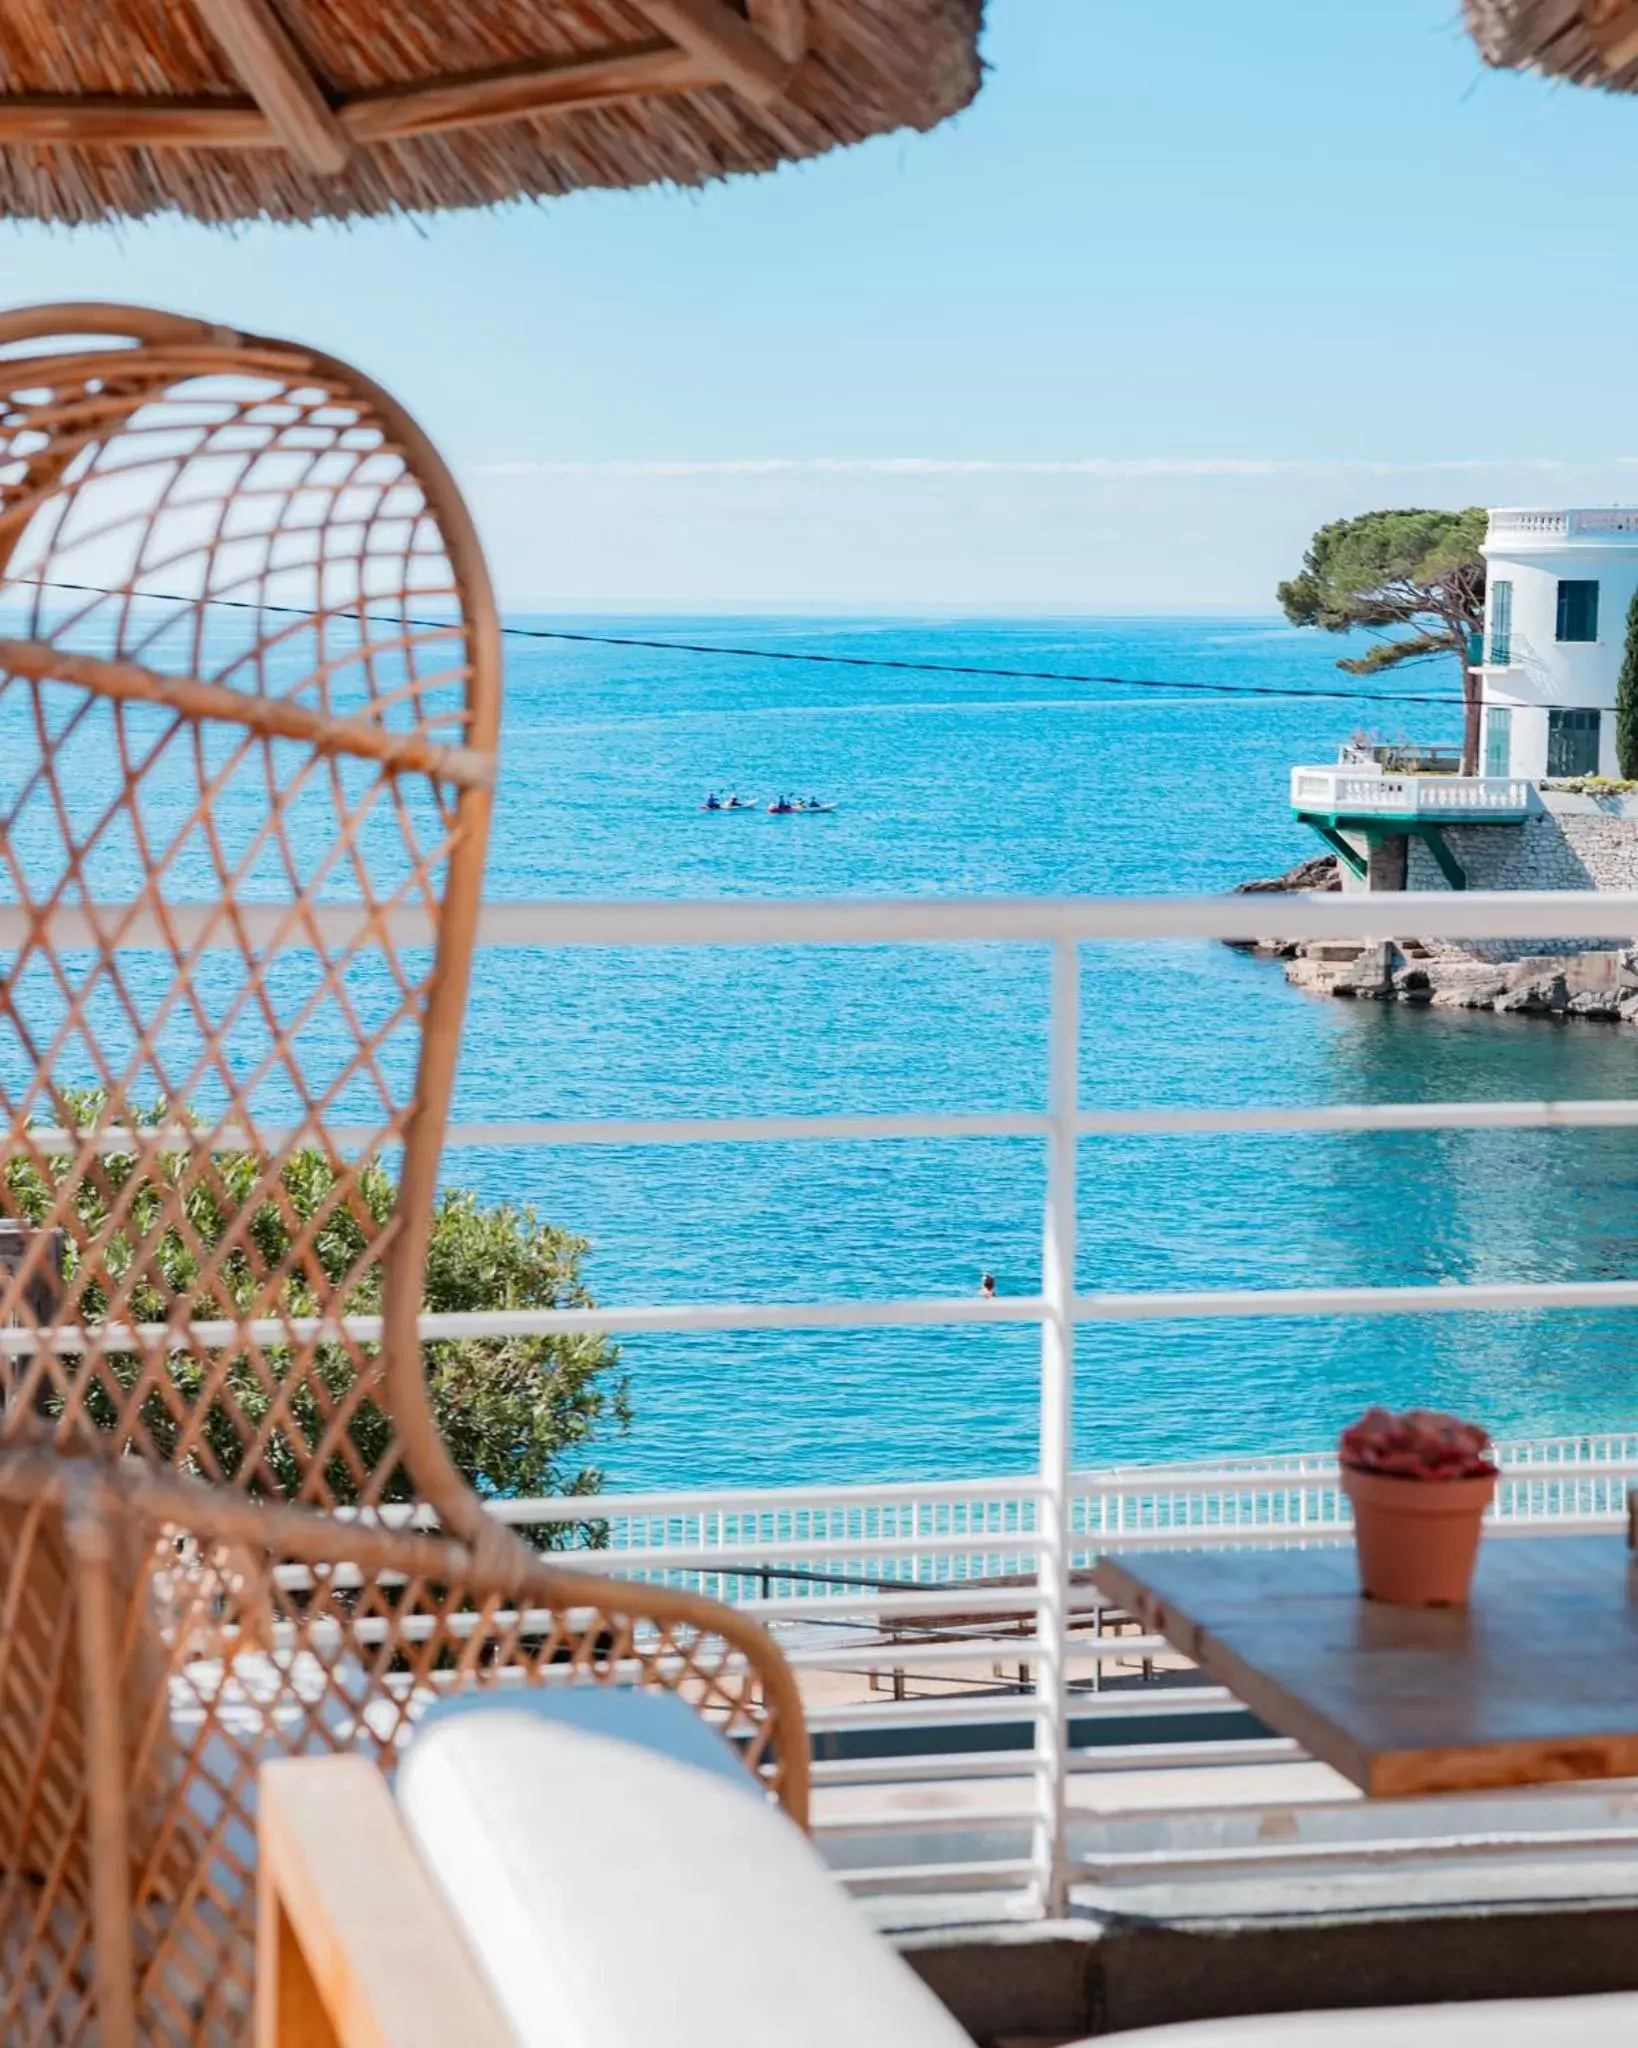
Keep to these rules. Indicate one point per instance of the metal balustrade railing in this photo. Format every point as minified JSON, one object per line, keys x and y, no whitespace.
{"x":811,"y":1540}
{"x":983,"y":1579}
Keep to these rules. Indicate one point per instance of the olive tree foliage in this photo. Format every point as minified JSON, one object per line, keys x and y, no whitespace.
{"x":521,"y":1415}
{"x":1414,"y":578}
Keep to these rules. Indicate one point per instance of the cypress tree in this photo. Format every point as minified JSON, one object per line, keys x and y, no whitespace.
{"x":1626,"y":701}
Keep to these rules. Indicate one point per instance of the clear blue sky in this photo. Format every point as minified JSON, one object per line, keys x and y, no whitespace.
{"x":1236,"y":270}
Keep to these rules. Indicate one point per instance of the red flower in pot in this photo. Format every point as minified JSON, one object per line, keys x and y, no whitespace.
{"x":1419,"y":1483}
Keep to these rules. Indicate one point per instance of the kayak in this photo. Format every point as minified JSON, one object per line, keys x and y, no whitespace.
{"x":801,"y":810}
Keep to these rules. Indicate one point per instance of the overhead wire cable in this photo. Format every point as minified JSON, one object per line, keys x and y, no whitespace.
{"x":1168,"y":686}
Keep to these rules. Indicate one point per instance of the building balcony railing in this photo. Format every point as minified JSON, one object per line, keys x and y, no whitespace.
{"x":1401,"y":757}
{"x":974,"y":1701}
{"x":1360,"y":791}
{"x":1595,"y":523}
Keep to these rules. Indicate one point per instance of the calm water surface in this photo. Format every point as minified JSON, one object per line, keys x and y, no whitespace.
{"x":953,"y":785}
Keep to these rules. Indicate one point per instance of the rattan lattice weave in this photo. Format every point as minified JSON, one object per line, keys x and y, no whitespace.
{"x":229,"y":771}
{"x":249,"y":697}
{"x":191,"y":1635}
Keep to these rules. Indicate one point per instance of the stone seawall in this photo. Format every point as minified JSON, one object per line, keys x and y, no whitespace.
{"x":1600,"y":985}
{"x":1573,"y":842}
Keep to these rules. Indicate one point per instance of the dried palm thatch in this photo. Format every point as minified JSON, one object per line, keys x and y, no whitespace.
{"x":1591,"y":42}
{"x":232,"y":110}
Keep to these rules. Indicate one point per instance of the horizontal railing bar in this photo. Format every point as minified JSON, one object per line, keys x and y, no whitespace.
{"x":955,"y":1819}
{"x":1159,"y":1699}
{"x":1149,"y":1756}
{"x":921,"y":1877}
{"x":1454,"y":1298}
{"x":1360,"y":1116}
{"x":1341,"y":1118}
{"x":910,"y":1657}
{"x":1392,"y":1849}
{"x":866,"y":1127}
{"x":1023,"y":1764}
{"x":215,"y":1334}
{"x":1232,"y":1304}
{"x":871,"y":921}
{"x":761,"y":1500}
{"x":939,"y":1820}
{"x":1230,"y":1535}
{"x":955,"y":1712}
{"x":871,"y":1127}
{"x":1480,"y":914}
{"x":868,"y":1607}
{"x":840,"y":1773}
{"x":1162,"y":1484}
{"x":51,"y":1141}
{"x":741,"y":1559}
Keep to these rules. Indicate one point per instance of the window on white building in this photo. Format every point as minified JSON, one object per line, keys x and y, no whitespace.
{"x":1577,"y":611}
{"x":1498,"y":739}
{"x":1572,"y":741}
{"x":1501,"y":624}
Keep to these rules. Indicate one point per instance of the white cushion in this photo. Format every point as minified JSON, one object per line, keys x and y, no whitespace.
{"x":618,"y":1897}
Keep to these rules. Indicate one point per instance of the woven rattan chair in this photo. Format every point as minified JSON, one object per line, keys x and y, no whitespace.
{"x":197,"y":1635}
{"x":249,"y":695}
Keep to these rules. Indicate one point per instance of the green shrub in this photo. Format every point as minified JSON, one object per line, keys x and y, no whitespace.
{"x":521,"y":1415}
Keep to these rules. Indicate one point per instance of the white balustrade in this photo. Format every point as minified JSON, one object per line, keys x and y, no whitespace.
{"x":1594,"y":522}
{"x":1353,"y":792}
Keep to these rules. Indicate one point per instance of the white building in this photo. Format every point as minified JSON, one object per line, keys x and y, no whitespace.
{"x":1559,"y":586}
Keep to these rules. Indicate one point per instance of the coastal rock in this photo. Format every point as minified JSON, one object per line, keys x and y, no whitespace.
{"x":1370,"y":977}
{"x":1321,"y":965}
{"x":1542,"y":996}
{"x":1599,"y":983}
{"x":1465,"y":987}
{"x":1323,"y":872}
{"x":1603,"y":1004}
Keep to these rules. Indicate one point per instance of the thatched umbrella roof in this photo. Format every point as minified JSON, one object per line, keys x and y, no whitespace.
{"x":233,"y":110}
{"x":1593,"y":42}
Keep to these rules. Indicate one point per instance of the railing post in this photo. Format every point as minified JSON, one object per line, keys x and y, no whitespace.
{"x":1050,"y":1845}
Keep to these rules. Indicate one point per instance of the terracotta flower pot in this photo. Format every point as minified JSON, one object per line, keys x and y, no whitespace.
{"x":1417,"y":1540}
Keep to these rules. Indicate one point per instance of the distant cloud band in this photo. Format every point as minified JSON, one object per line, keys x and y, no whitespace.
{"x":1113,"y":466}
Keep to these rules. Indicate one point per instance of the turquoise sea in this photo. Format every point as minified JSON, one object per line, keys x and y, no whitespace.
{"x":953,"y":785}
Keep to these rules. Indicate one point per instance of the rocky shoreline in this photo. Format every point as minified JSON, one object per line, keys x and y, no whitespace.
{"x":1600,"y":985}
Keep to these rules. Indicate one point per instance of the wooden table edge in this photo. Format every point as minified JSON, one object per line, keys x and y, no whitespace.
{"x":1380,"y":1774}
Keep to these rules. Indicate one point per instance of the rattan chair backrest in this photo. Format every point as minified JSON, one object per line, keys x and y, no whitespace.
{"x":249,"y":693}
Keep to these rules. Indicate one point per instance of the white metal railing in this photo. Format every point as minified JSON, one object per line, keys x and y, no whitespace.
{"x":738,"y":1543}
{"x":1363,"y":792}
{"x":988,"y":1573}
